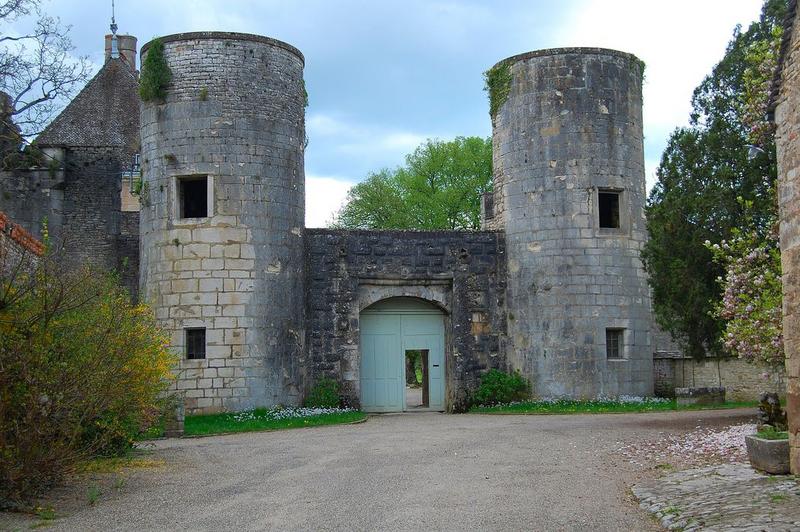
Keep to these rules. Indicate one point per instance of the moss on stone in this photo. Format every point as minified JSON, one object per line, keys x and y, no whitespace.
{"x":497,"y":82}
{"x":642,"y":66}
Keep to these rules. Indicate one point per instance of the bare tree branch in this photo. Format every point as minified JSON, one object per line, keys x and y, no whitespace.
{"x":37,"y":69}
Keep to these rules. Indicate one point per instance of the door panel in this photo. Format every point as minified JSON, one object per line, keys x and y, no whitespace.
{"x":427,"y":332}
{"x":385,"y":337}
{"x":382,"y":386}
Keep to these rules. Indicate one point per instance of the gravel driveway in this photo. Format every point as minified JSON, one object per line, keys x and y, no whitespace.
{"x":394,"y":472}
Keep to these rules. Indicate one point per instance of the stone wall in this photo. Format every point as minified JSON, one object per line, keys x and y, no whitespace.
{"x":127,"y":251}
{"x":233,"y":116}
{"x":742,"y":381}
{"x":570,"y":128}
{"x":31,"y":196}
{"x":787,"y":140}
{"x":461,"y":272}
{"x":91,"y":205}
{"x":81,"y":203}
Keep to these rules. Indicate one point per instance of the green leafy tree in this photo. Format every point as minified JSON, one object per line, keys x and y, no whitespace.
{"x":704,"y":170}
{"x":439,"y":187}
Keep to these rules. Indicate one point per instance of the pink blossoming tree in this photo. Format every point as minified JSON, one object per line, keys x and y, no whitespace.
{"x":751,"y":299}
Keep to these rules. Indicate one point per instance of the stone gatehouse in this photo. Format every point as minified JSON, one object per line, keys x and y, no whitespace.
{"x":260,"y":308}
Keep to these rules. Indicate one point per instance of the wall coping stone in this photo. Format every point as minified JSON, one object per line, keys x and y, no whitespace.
{"x":575,"y":50}
{"x":396,"y":232}
{"x":226,"y":35}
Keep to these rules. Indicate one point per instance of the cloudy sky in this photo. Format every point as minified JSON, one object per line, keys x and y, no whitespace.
{"x":384,"y":75}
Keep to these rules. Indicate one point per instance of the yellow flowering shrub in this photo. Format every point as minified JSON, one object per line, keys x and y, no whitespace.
{"x":83,"y":371}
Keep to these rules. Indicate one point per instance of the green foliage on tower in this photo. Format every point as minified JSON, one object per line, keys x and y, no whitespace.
{"x":497,"y":82}
{"x":155,"y":73}
{"x":706,"y":173}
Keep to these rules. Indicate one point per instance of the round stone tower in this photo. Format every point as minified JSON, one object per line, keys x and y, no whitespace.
{"x":569,"y":192}
{"x":222,"y":216}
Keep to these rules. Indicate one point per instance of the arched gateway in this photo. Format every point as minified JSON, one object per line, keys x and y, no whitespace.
{"x":393,"y":332}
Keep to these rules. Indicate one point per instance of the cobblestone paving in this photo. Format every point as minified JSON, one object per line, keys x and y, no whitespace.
{"x":723,"y":497}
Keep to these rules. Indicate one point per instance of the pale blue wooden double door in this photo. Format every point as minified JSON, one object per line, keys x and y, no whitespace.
{"x":389,"y":329}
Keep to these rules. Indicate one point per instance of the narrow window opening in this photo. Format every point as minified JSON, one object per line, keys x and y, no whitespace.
{"x":417,"y":382}
{"x":193,"y":197}
{"x":614,"y":343}
{"x":195,"y":343}
{"x":608,"y":206}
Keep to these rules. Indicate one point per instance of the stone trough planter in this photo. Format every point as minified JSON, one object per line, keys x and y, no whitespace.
{"x":770,"y":456}
{"x":700,"y":396}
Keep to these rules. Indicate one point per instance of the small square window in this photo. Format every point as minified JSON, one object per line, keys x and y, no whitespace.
{"x":614,"y":343}
{"x":193,"y":197}
{"x":608,"y":208}
{"x":195,"y":343}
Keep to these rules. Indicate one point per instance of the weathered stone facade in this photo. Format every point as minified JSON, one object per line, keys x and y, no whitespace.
{"x":787,"y":140}
{"x":570,"y":129}
{"x":280,"y":305}
{"x":463,"y":273}
{"x":234,"y":117}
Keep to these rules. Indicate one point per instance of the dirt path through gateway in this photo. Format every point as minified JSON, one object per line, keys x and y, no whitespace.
{"x":394,"y":472}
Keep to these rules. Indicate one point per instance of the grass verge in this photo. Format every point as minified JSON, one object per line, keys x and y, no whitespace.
{"x":773,"y":434}
{"x":569,"y":406}
{"x":257,"y":420}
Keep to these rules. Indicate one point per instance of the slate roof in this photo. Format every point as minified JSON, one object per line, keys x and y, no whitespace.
{"x":788,"y":29}
{"x":104,"y":113}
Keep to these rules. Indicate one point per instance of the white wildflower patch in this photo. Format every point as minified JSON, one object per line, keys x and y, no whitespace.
{"x":702,"y":446}
{"x":285,"y":413}
{"x":587,"y":403}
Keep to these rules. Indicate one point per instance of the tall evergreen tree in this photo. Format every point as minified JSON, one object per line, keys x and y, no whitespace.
{"x":725,"y":157}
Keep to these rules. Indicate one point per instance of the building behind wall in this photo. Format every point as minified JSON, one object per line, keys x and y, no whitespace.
{"x":19,"y":250}
{"x":78,"y":189}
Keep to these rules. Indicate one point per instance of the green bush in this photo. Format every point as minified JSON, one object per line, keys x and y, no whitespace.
{"x":498,"y":387}
{"x":324,"y":394}
{"x":155,"y":74}
{"x":83,"y":371}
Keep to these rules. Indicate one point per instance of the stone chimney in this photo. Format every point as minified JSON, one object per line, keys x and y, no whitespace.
{"x":126,"y":45}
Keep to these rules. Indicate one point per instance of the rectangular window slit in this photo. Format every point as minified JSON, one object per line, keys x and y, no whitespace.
{"x":193,"y":197}
{"x":608,"y":206}
{"x":614,"y":343}
{"x":195,"y":343}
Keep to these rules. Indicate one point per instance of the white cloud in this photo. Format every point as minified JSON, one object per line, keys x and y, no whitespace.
{"x":338,"y":144}
{"x":352,"y":138}
{"x":405,"y":142}
{"x":680,"y":41}
{"x":324,"y":197}
{"x":327,"y":126}
{"x":650,"y":166}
